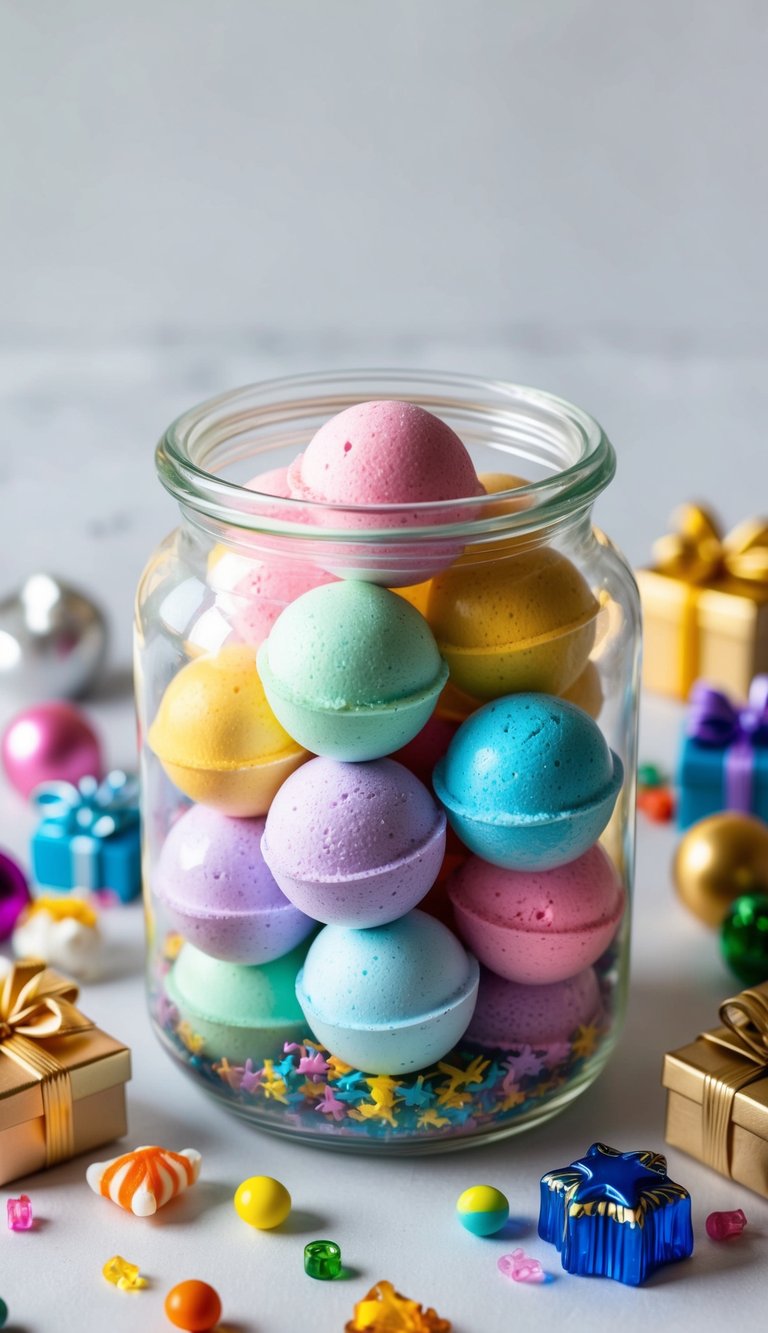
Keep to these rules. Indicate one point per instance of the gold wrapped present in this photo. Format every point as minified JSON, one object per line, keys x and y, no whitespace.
{"x":717,"y":1092}
{"x":705,"y":605}
{"x":62,"y":1080}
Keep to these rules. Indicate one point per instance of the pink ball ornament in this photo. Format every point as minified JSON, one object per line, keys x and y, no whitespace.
{"x":50,"y":742}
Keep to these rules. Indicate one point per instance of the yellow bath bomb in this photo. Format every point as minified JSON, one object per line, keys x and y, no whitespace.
{"x":524,"y":623}
{"x":587,"y":691}
{"x":217,"y":737}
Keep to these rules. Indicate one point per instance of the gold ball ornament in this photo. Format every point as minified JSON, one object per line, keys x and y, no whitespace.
{"x":718,"y":860}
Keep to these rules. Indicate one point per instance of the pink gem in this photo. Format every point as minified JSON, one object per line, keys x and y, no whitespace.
{"x":722,"y":1225}
{"x":520,"y":1267}
{"x":20,"y":1214}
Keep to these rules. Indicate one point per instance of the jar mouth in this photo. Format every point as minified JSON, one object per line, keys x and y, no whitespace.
{"x":204,"y":452}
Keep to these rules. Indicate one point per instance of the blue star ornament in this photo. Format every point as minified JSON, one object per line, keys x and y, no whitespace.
{"x":616,"y":1214}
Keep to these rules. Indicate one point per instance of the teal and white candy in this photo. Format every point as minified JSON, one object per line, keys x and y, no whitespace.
{"x":483,"y":1210}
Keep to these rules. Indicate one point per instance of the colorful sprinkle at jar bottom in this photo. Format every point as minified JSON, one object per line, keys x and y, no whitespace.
{"x":478,"y":1091}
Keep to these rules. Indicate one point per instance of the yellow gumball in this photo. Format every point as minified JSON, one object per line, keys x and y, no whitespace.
{"x":262,"y":1202}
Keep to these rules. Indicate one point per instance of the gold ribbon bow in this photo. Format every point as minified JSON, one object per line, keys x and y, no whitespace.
{"x":745,"y":1034}
{"x":35,"y":1006}
{"x":697,"y":552}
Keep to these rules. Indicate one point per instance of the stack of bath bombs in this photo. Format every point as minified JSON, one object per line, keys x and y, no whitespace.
{"x":326,"y":740}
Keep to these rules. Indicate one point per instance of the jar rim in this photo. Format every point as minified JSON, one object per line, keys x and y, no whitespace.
{"x":547,"y":429}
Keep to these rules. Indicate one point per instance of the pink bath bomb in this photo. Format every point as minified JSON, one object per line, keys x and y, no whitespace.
{"x":510,"y":1015}
{"x":386,"y":453}
{"x":538,"y":926}
{"x":50,"y":742}
{"x":251,"y":592}
{"x":354,"y":844}
{"x":272,"y":482}
{"x":217,"y":891}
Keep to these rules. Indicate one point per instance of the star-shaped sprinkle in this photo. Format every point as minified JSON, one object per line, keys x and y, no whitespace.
{"x":314,"y":1066}
{"x":461,"y":1077}
{"x":416,"y":1093}
{"x":311,"y":1091}
{"x":382,"y":1089}
{"x":251,"y":1078}
{"x":373,"y":1111}
{"x":512,"y":1099}
{"x":232,"y":1075}
{"x":285,"y":1067}
{"x":451,"y":1099}
{"x":585,"y":1040}
{"x":272,"y":1085}
{"x":525,"y":1061}
{"x":330,"y":1105}
{"x":338,"y":1069}
{"x":431,"y":1117}
{"x":191,"y":1039}
{"x":292,"y":1047}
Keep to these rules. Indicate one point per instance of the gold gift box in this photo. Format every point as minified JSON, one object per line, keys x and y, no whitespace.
{"x":717,"y":1095}
{"x":85,"y":1090}
{"x":705,"y":606}
{"x":718,"y":634}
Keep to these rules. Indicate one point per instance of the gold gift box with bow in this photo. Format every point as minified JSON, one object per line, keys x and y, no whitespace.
{"x":62,"y":1080}
{"x":705,"y":605}
{"x":717,"y":1093}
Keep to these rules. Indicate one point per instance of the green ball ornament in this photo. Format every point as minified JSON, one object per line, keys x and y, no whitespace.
{"x":744,"y":938}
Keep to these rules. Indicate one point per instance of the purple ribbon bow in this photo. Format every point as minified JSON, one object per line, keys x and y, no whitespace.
{"x":713,"y":720}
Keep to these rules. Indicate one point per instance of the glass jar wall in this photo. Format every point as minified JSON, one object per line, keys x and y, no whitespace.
{"x":320,"y":682}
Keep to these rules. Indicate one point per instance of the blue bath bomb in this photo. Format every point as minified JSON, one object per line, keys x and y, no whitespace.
{"x":528,"y":782}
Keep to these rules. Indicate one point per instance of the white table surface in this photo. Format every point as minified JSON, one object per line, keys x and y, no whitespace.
{"x":98,"y":515}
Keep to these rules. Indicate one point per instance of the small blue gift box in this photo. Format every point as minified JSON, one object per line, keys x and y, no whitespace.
{"x":615,"y":1214}
{"x":88,"y":837}
{"x":724,"y":755}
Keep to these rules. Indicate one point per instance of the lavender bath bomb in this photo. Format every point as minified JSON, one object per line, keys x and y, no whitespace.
{"x":354,"y":844}
{"x":218,"y":892}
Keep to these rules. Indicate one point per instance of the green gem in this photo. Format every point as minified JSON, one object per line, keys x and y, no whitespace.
{"x":744,"y":938}
{"x":322,"y":1259}
{"x":648,"y":775}
{"x":3,"y":1313}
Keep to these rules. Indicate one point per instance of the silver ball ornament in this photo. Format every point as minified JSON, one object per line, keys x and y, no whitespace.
{"x":53,"y":642}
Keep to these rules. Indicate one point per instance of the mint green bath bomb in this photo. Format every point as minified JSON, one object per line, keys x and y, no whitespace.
{"x":241,"y":1012}
{"x":351,"y":671}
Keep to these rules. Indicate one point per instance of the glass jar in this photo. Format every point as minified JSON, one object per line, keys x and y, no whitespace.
{"x":521,"y":594}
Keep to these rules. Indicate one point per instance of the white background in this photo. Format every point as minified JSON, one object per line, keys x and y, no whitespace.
{"x":193,"y":195}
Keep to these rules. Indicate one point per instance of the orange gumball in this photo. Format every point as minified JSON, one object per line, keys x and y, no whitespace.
{"x":194,"y":1306}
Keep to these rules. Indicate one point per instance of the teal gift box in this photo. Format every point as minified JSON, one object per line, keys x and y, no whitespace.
{"x":724,"y":755}
{"x":89,"y":835}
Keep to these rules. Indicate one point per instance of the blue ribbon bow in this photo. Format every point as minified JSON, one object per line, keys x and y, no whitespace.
{"x":93,"y":808}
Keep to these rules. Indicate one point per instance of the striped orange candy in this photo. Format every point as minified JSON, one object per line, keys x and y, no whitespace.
{"x":143,"y":1180}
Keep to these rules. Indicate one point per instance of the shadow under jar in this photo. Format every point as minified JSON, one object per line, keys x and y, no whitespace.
{"x":319,"y":685}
